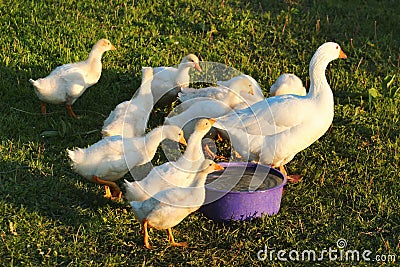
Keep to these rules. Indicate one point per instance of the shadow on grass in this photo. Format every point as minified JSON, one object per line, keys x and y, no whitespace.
{"x":59,"y":198}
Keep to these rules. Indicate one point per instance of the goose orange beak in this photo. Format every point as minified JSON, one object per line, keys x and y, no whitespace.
{"x":197,"y":67}
{"x":342,"y":54}
{"x":183,"y":141}
{"x":218,"y":167}
{"x":212,"y":121}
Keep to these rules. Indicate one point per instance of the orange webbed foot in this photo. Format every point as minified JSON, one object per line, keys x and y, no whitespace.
{"x":173,"y":243}
{"x":179,"y":244}
{"x":293,"y":178}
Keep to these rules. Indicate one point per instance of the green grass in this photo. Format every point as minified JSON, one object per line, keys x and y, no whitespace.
{"x":350,"y":189}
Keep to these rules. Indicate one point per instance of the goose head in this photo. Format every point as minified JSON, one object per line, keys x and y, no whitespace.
{"x":238,"y":88}
{"x":174,"y":133}
{"x":238,"y":84}
{"x":242,"y":84}
{"x":204,"y":125}
{"x":104,"y":45}
{"x":326,"y":53}
{"x":192,"y":61}
{"x":99,"y":48}
{"x":209,"y":166}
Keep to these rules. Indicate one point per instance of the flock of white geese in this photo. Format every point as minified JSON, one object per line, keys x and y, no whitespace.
{"x":269,"y":131}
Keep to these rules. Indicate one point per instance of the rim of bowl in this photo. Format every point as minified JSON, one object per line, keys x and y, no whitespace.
{"x":248,"y":164}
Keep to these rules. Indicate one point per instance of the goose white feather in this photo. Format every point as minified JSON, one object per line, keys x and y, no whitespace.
{"x":112,"y":157}
{"x":129,"y":118}
{"x":238,"y":83}
{"x":169,"y":207}
{"x":171,"y":174}
{"x":274,"y":130}
{"x":167,"y":81}
{"x":287,"y":83}
{"x":250,"y":99}
{"x":210,"y":102}
{"x":68,"y":82}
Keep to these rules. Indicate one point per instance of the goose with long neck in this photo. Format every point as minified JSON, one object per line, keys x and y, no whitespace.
{"x":68,"y":82}
{"x":173,"y":173}
{"x":193,"y":155}
{"x":190,"y":61}
{"x":129,"y":118}
{"x":112,"y":157}
{"x":167,"y":81}
{"x":274,"y":130}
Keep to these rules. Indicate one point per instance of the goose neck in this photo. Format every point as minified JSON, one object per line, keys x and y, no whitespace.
{"x":153,"y":139}
{"x":193,"y":150}
{"x":145,"y":88}
{"x":184,"y":66}
{"x":320,"y":90}
{"x":95,"y":55}
{"x":200,"y":179}
{"x":182,"y":78}
{"x":318,"y":79}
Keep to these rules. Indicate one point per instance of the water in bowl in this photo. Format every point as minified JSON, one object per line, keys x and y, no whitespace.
{"x":242,"y":179}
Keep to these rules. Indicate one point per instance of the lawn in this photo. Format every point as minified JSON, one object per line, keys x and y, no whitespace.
{"x":350,"y":188}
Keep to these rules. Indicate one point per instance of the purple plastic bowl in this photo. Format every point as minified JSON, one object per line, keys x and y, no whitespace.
{"x":243,"y":205}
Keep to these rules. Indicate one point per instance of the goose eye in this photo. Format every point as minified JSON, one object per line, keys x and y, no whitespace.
{"x":337,"y":47}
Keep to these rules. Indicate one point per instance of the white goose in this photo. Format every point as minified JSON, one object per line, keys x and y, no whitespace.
{"x":112,"y":157}
{"x":287,"y":83}
{"x":68,"y":82}
{"x":167,"y":81}
{"x":219,"y":92}
{"x":129,"y":118}
{"x":250,"y":99}
{"x":274,"y":130}
{"x":171,"y":174}
{"x":211,"y":102}
{"x":169,"y":207}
